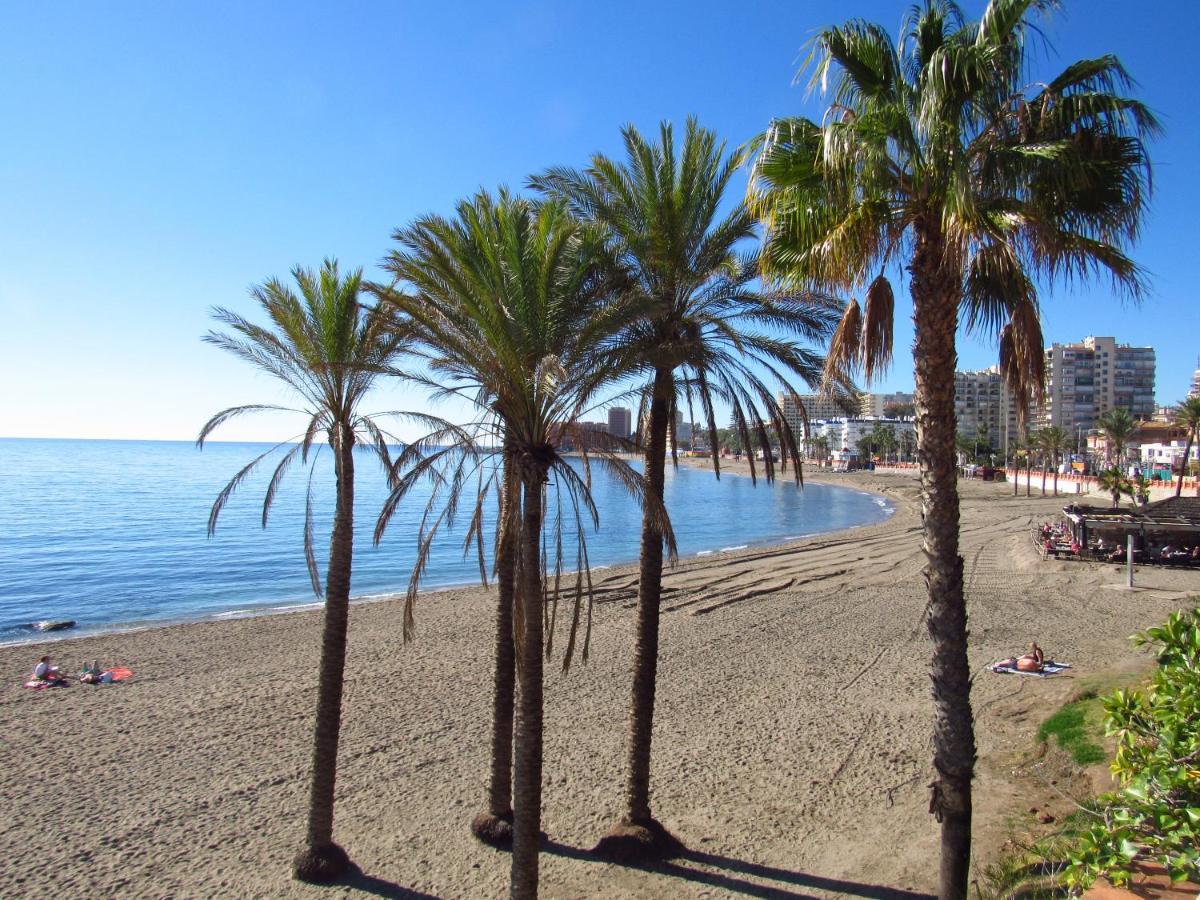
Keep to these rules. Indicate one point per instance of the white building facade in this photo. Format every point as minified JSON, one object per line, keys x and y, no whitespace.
{"x":816,"y":406}
{"x":843,"y":434}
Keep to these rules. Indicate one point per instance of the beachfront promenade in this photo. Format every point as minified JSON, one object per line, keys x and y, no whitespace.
{"x":791,"y":746}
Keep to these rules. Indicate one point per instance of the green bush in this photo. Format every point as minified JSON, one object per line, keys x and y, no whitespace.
{"x":1156,"y":813}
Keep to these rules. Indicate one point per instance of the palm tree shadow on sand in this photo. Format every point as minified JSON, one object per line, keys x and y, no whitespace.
{"x":359,"y":881}
{"x":726,"y":878}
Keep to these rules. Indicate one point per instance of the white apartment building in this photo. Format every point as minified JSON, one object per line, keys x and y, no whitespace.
{"x":981,"y":398}
{"x":816,"y":406}
{"x":1087,"y":379}
{"x":844,"y":434}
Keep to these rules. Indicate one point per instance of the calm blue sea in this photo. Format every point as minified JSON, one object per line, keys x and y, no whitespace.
{"x":112,"y":533}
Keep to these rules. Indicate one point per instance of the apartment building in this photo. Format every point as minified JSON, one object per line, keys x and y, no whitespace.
{"x":1087,"y":379}
{"x":843,"y":434}
{"x":981,"y":399}
{"x":877,"y":404}
{"x":816,"y":406}
{"x":620,"y":422}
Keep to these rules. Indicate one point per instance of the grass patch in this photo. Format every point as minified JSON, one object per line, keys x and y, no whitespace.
{"x":1077,"y":728}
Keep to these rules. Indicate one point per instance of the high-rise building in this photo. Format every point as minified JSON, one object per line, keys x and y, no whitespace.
{"x":982,"y":399}
{"x":880,"y":404}
{"x":620,"y":422}
{"x":1194,"y":391}
{"x":1086,"y":380}
{"x":816,"y":406}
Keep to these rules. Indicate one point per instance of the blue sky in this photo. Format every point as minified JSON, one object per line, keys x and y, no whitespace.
{"x":161,"y":157}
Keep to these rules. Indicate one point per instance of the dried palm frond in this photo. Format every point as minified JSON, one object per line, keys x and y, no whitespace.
{"x":877,"y":328}
{"x":845,"y":347}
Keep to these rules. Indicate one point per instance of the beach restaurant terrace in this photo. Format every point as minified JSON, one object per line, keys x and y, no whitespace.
{"x":1174,"y":522}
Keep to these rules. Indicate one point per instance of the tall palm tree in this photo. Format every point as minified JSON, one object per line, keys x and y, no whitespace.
{"x":1187,"y":415}
{"x":708,"y":336}
{"x":1055,"y":442}
{"x":1116,"y":427}
{"x":505,"y":303}
{"x":329,"y":349}
{"x":939,"y":155}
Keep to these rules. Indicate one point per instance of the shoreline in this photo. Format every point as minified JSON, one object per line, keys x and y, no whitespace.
{"x":252,"y":610}
{"x":791,"y":743}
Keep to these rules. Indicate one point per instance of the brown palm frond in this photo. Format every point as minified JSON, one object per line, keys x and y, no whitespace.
{"x":845,"y":347}
{"x":877,"y":328}
{"x":1022,"y":359}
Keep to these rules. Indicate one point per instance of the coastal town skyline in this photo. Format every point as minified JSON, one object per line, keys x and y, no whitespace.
{"x":164,"y":182}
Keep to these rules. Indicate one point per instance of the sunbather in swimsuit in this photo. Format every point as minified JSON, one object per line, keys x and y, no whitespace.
{"x":1030,"y":662}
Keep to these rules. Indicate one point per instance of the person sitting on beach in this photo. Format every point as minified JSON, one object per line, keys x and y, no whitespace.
{"x":1030,"y":662}
{"x":44,"y":671}
{"x":1118,"y":554}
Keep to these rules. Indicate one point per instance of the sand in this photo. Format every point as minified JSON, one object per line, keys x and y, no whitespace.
{"x":791,"y":740}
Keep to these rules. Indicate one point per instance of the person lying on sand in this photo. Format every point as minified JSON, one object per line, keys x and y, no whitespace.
{"x":1030,"y":662}
{"x":45,"y":671}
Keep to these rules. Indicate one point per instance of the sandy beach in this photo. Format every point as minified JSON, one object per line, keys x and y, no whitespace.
{"x":791,"y":741}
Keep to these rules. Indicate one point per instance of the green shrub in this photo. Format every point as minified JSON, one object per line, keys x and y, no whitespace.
{"x":1155,"y":815}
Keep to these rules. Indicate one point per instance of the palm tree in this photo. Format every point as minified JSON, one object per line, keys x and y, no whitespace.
{"x":941,"y":156}
{"x":1055,"y":441}
{"x":820,"y":447}
{"x":1114,"y":482}
{"x":707,"y":336}
{"x":1116,"y":427}
{"x":1039,"y":446}
{"x":504,"y":302}
{"x":1187,"y":415}
{"x":1020,"y":454}
{"x":329,"y":349}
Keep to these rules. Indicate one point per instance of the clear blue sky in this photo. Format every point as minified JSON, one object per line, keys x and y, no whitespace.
{"x":159,"y":158}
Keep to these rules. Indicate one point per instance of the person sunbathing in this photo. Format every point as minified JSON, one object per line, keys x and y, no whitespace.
{"x":1030,"y":662}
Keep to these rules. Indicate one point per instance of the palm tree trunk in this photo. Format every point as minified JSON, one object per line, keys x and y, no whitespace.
{"x":1187,"y":452}
{"x":527,"y":768}
{"x":935,"y":315}
{"x":638,"y":835}
{"x":645,"y":666}
{"x":1054,"y":462}
{"x":494,"y":825}
{"x":321,"y":859}
{"x":1028,"y":476}
{"x":1043,"y":476}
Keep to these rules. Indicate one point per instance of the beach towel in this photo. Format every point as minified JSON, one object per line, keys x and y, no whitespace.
{"x":116,"y":673}
{"x":1048,"y":668}
{"x":37,"y":684}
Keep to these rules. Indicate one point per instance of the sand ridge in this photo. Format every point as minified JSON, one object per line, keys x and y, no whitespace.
{"x":791,"y":742}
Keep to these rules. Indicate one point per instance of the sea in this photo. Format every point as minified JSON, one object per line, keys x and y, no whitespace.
{"x":113,"y":534}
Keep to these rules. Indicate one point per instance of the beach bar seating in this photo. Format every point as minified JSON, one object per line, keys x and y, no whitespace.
{"x":1165,"y":532}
